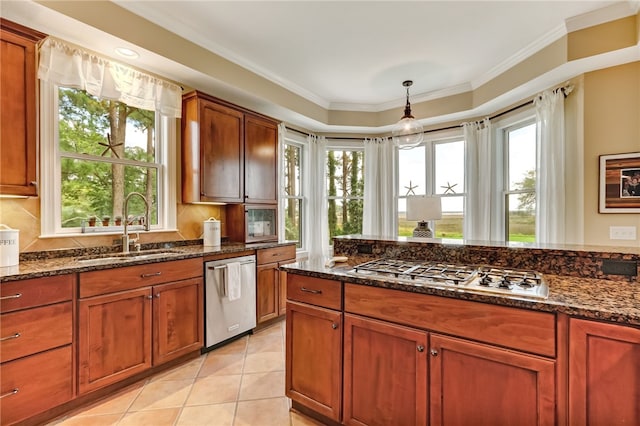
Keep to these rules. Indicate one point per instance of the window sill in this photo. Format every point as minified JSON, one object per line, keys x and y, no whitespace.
{"x":99,"y":234}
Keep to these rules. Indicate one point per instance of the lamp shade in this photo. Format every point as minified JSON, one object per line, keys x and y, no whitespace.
{"x":423,"y":208}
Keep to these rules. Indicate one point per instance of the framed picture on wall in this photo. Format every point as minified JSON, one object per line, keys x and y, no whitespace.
{"x":620,"y":183}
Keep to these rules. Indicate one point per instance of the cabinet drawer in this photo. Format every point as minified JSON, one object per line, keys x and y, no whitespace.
{"x":35,"y":384}
{"x":315,"y":291}
{"x":96,"y":283}
{"x":16,"y":295}
{"x":276,"y":254}
{"x":35,"y":330}
{"x":514,"y":328}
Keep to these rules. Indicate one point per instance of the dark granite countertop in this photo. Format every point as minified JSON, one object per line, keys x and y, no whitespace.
{"x":601,"y":299}
{"x":58,"y":262}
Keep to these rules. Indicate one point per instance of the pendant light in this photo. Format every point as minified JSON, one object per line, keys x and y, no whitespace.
{"x":407,"y":132}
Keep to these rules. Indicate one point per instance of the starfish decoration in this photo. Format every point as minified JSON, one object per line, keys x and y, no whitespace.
{"x":410,"y":189}
{"x":109,"y":146}
{"x":448,"y":188}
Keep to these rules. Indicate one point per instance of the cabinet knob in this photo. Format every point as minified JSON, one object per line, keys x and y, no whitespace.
{"x":434,"y":352}
{"x":334,"y":325}
{"x":150,"y":297}
{"x":420,"y":348}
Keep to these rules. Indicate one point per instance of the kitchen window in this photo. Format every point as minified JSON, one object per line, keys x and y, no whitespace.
{"x":435,"y":168}
{"x":520,"y":181}
{"x":292,"y":196}
{"x":103,"y":150}
{"x":345,"y":190}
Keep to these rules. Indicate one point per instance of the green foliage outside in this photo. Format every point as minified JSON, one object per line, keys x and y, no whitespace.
{"x":345,"y":171}
{"x":94,"y":182}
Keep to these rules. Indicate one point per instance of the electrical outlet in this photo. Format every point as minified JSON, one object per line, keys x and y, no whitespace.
{"x":622,"y":232}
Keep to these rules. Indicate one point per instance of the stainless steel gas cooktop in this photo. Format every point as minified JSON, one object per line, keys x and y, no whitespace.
{"x":485,"y":279}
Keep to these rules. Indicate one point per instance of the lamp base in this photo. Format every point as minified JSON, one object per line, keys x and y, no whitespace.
{"x":423,"y":230}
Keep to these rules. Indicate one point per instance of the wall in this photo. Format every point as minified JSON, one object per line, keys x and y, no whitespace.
{"x":611,"y":126}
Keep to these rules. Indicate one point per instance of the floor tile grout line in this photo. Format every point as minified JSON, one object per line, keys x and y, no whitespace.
{"x":244,"y":360}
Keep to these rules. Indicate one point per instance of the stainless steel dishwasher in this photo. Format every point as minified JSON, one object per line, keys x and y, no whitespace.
{"x":225,"y":318}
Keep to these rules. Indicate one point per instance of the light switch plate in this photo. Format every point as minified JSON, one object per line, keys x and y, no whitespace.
{"x":622,"y":232}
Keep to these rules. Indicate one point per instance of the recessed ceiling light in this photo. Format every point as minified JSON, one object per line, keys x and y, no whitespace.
{"x":127,"y":53}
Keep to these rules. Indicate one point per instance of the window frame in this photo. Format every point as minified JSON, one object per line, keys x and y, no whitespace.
{"x":430,"y":142}
{"x":501,"y":189}
{"x":341,"y":145}
{"x":50,"y":188}
{"x":302,"y":144}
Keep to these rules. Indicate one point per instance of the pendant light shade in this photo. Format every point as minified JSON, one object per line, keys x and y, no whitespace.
{"x":407,"y":132}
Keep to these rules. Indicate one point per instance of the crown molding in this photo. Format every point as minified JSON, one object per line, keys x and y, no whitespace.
{"x":606,"y":14}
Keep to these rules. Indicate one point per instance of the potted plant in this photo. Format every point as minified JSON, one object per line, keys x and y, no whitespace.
{"x":92,"y":221}
{"x":118,"y":220}
{"x":105,"y":220}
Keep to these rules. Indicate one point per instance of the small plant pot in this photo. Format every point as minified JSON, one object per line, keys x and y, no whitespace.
{"x":92,"y":221}
{"x":105,"y":221}
{"x":118,"y":220}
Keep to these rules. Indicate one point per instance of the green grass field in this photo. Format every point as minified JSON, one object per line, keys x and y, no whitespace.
{"x":522,"y":227}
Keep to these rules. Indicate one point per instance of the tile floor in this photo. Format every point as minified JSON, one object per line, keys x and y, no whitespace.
{"x":239,"y":384}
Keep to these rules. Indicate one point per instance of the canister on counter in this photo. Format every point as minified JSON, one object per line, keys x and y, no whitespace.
{"x":212,"y":232}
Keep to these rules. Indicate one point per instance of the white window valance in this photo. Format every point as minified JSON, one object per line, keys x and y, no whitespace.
{"x":70,"y":66}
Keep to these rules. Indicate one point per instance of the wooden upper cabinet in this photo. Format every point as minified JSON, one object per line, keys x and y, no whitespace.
{"x":212,"y":151}
{"x":228,"y":154}
{"x":18,"y":96}
{"x":604,"y":373}
{"x":261,"y":146}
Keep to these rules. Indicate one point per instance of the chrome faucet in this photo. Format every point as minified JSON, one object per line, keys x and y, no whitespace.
{"x":125,"y":237}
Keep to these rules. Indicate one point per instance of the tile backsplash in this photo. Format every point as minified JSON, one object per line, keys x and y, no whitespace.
{"x":24,"y":214}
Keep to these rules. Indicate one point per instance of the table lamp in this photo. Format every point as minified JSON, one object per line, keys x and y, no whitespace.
{"x":423,"y":209}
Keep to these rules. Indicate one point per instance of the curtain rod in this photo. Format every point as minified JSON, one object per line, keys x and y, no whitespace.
{"x":566,"y":89}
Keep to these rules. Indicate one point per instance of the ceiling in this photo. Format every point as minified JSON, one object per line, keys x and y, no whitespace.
{"x":343,"y":55}
{"x":354,"y":55}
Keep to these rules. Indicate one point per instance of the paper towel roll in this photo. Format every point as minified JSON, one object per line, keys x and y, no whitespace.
{"x":211,"y":232}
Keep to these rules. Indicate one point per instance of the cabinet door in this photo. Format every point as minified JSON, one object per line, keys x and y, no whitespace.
{"x":177,"y":319}
{"x":385,"y":373}
{"x":604,"y":374}
{"x":313,"y":374}
{"x":478,"y":384}
{"x":18,"y":142}
{"x":114,"y":340}
{"x":261,"y":142}
{"x":267,"y":286}
{"x":221,"y":153}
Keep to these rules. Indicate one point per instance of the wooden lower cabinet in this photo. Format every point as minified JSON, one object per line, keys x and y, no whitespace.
{"x":35,"y":383}
{"x":125,"y":333}
{"x":177,"y":319}
{"x":271,"y":283}
{"x":385,"y":373}
{"x":267,"y":286}
{"x":473,"y":383}
{"x":313,"y":374}
{"x":604,"y":373}
{"x":114,"y":340}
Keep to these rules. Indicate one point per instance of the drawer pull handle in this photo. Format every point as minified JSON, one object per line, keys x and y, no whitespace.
{"x":13,"y":336}
{"x":310,"y":290}
{"x":13,"y":296}
{"x":11,"y":392}
{"x":153,"y":274}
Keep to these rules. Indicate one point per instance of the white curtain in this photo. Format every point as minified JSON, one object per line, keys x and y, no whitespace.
{"x":379,"y":208}
{"x":70,"y":66}
{"x":479,"y":164}
{"x":550,"y":180}
{"x":282,"y":134}
{"x":315,"y":188}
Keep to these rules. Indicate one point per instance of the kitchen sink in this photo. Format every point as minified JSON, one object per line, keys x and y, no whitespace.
{"x":107,"y":259}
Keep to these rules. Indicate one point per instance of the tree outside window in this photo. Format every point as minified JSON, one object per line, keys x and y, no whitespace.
{"x":107,"y":150}
{"x":345,"y":190}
